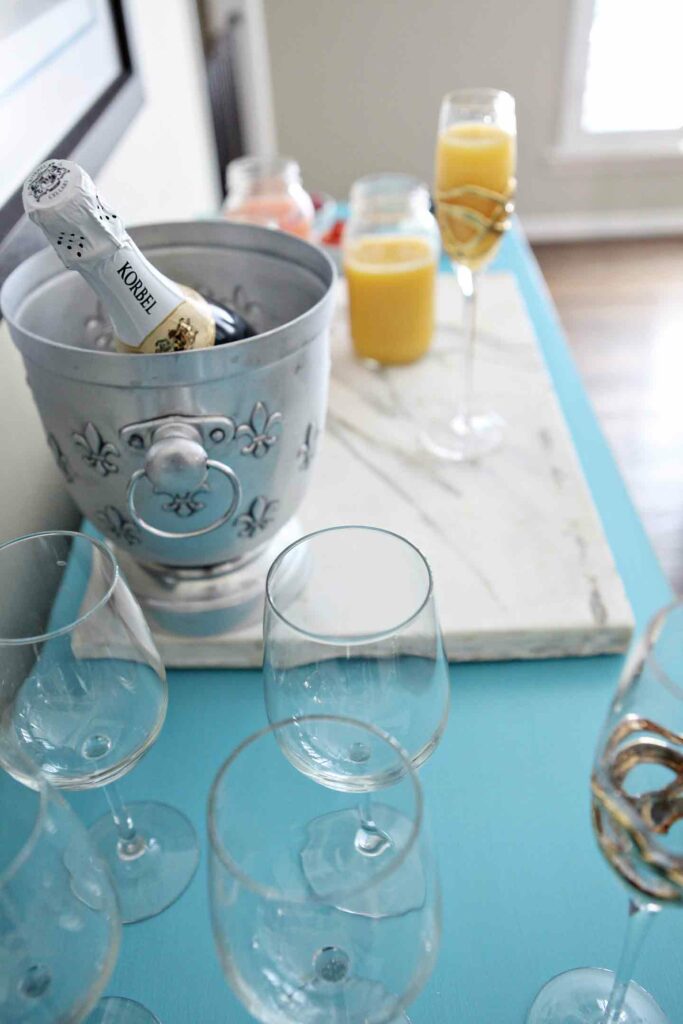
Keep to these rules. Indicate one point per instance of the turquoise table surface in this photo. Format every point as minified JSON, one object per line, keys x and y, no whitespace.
{"x":525,"y":891}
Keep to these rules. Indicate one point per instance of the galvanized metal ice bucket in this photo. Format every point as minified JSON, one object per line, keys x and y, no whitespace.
{"x":193,"y":464}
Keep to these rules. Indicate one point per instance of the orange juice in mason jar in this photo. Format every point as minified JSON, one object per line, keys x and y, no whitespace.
{"x":391,"y":253}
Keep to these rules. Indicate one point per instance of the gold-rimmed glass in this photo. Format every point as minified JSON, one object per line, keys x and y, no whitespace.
{"x":474,"y":190}
{"x":637,"y":807}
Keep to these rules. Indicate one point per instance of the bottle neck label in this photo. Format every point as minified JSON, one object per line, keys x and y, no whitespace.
{"x":140,"y":291}
{"x":136,"y":295}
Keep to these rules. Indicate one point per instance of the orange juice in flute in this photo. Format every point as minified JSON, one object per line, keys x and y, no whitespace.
{"x":474,"y":188}
{"x":475,"y":164}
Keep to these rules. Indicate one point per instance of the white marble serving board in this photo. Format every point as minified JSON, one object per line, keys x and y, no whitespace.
{"x":521,"y":563}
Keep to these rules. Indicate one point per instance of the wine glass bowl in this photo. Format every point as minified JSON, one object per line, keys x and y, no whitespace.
{"x":116,"y":1010}
{"x":634,"y":827}
{"x":637,"y":781}
{"x":59,"y":922}
{"x":356,"y":634}
{"x":339,"y":759}
{"x":83,"y":695}
{"x":361,"y":945}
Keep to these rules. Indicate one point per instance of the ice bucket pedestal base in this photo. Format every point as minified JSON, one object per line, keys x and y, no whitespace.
{"x":205,"y":601}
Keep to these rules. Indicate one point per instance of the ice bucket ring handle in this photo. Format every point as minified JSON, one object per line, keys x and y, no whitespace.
{"x":177,"y":465}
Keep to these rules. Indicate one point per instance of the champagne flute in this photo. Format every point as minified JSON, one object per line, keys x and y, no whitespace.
{"x":59,"y":923}
{"x":358,"y":949}
{"x":474,"y":191}
{"x":83,"y":696}
{"x":637,"y":789}
{"x":350,"y":628}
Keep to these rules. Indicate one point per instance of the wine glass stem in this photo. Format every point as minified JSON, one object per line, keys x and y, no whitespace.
{"x":467,"y":279}
{"x":640,"y":917}
{"x":130,"y":844}
{"x":365,"y":813}
{"x":370,"y":840}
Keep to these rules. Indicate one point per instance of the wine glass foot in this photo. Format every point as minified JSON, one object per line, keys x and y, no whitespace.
{"x":580,"y":997}
{"x":149,"y":879}
{"x":114,"y":1010}
{"x":333,"y":861}
{"x":464,"y":439}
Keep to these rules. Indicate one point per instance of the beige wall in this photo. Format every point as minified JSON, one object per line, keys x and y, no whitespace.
{"x":163,"y":168}
{"x":357,"y":85}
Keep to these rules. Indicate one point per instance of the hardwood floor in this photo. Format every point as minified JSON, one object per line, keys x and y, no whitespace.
{"x":621,"y":304}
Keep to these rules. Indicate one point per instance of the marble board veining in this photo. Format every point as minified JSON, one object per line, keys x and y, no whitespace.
{"x":521,"y":563}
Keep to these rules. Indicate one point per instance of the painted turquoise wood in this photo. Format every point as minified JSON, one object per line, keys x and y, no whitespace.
{"x":526,"y":894}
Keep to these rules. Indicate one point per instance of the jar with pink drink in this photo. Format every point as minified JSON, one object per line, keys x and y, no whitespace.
{"x":268,"y":191}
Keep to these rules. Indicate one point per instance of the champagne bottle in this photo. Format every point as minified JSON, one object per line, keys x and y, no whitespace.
{"x":149,"y":312}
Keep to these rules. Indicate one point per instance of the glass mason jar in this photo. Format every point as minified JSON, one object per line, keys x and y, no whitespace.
{"x":267,"y":190}
{"x":390,"y":257}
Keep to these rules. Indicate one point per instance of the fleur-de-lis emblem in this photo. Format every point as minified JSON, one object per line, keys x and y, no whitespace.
{"x":257,"y":518}
{"x":60,"y":458}
{"x":114,"y":522}
{"x":259,"y":430}
{"x":306,"y":452}
{"x":187,"y":504}
{"x":97,"y":452}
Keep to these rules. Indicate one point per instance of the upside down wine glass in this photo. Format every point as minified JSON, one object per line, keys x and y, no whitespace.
{"x":637,"y":789}
{"x":359,"y":948}
{"x":474,"y":192}
{"x":83,"y":695}
{"x":59,"y":921}
{"x":350,"y":629}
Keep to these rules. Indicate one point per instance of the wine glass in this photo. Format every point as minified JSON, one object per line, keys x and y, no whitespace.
{"x":359,"y":948}
{"x":474,"y":192}
{"x":637,"y":790}
{"x":59,"y":922}
{"x":350,"y":628}
{"x":83,"y":695}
